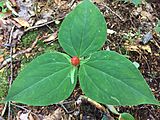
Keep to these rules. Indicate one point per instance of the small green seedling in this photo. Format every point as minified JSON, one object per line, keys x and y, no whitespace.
{"x":105,"y":76}
{"x":135,"y":2}
{"x":157,"y":28}
{"x":3,"y":10}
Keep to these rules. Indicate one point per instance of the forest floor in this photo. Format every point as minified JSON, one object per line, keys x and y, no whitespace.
{"x":131,"y":32}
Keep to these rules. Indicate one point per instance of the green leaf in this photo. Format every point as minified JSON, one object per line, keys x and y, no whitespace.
{"x":105,"y":117}
{"x":2,"y":13}
{"x":135,"y":2}
{"x":126,"y":116}
{"x":112,"y":109}
{"x":46,"y":80}
{"x":2,"y":4}
{"x":83,"y":31}
{"x":109,"y":78}
{"x":157,"y":28}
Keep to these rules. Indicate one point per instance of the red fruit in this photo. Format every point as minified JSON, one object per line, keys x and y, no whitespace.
{"x":75,"y":61}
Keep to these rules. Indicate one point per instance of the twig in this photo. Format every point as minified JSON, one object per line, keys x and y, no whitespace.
{"x":23,"y":108}
{"x":71,"y":3}
{"x":4,"y":109}
{"x":11,"y":52}
{"x":97,"y":105}
{"x":50,"y":28}
{"x":11,"y":75}
{"x":19,"y":53}
{"x":4,"y":63}
{"x":113,"y":12}
{"x":38,"y":26}
{"x":67,"y":111}
{"x":62,"y":104}
{"x":41,"y":25}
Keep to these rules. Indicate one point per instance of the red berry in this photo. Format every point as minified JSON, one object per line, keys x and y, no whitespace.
{"x":75,"y":61}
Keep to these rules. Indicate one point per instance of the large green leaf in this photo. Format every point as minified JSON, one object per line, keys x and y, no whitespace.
{"x":83,"y":31}
{"x":46,"y":80}
{"x":110,"y":78}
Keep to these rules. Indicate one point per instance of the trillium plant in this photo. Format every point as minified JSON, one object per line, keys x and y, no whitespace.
{"x":104,"y":76}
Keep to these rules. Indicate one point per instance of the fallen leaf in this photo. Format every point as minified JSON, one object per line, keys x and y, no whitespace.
{"x":62,"y":4}
{"x":22,"y":22}
{"x":1,"y":58}
{"x":9,"y":6}
{"x":147,"y":37}
{"x":1,"y":38}
{"x":13,"y":2}
{"x":147,"y":48}
{"x":109,"y":31}
{"x":145,"y":15}
{"x":17,"y":34}
{"x":1,"y":108}
{"x":132,"y":48}
{"x":24,"y":116}
{"x":52,"y":37}
{"x":1,"y":118}
{"x":30,"y":117}
{"x":56,"y":115}
{"x":98,"y":1}
{"x":41,"y":21}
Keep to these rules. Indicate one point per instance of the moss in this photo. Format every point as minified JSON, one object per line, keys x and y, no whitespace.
{"x":28,"y":38}
{"x":3,"y":84}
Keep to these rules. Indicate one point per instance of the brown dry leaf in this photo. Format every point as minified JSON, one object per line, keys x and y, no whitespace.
{"x":147,"y":48}
{"x":41,"y":21}
{"x":22,"y":22}
{"x":62,"y":4}
{"x":30,"y":117}
{"x":52,"y":37}
{"x":24,"y":116}
{"x":26,"y":8}
{"x":1,"y":108}
{"x":17,"y":34}
{"x":47,"y":14}
{"x":1,"y":58}
{"x":13,"y":2}
{"x":1,"y":38}
{"x":28,"y":55}
{"x":98,"y":1}
{"x":138,"y":47}
{"x":132,"y":48}
{"x":57,"y":1}
{"x":56,"y":115}
{"x":145,"y":15}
